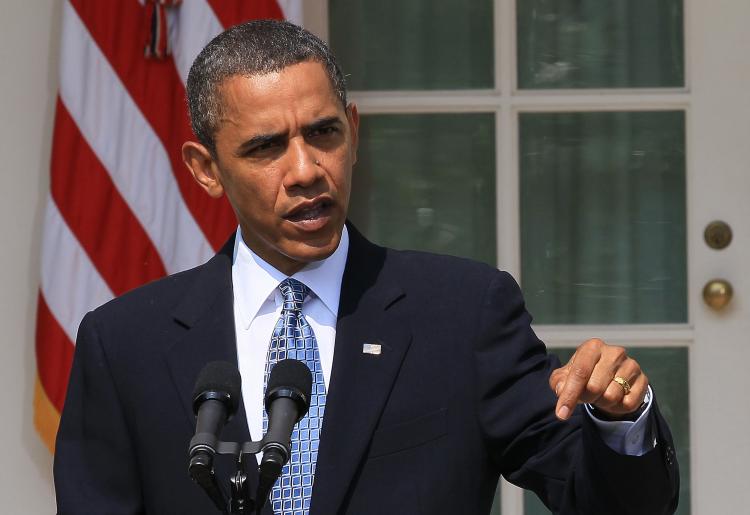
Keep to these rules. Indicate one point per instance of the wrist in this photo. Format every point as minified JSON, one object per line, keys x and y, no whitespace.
{"x":622,"y":417}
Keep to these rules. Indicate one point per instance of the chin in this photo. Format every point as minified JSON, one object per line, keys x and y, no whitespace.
{"x":318,"y":250}
{"x":315,"y":253}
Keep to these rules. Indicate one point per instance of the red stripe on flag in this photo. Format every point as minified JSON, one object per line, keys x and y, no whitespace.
{"x":233,"y":13}
{"x":156,"y":88}
{"x":96,"y":213}
{"x":54,"y":354}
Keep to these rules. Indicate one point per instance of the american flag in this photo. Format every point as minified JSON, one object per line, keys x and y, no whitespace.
{"x":122,"y":209}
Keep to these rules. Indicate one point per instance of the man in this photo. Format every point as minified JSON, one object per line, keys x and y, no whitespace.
{"x":428,"y":380}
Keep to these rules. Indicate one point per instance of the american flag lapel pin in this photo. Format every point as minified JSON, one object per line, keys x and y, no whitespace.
{"x":371,"y":348}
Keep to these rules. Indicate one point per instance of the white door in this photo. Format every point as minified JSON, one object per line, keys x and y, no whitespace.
{"x":719,"y":189}
{"x":584,"y":146}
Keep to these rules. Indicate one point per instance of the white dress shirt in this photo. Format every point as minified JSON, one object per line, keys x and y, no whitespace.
{"x":257,"y":308}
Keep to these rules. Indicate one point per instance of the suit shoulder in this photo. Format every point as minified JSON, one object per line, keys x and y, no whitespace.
{"x":416,"y":261}
{"x":160,"y":294}
{"x":441,"y":273}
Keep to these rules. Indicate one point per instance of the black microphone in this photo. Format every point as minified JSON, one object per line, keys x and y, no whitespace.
{"x":287,"y":401}
{"x":216,"y":398}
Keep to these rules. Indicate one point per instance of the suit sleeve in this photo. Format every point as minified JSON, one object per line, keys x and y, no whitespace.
{"x":95,"y":465}
{"x":565,"y":463}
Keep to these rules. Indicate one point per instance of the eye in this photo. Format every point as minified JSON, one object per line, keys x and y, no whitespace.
{"x":264,"y":146}
{"x":323,"y":131}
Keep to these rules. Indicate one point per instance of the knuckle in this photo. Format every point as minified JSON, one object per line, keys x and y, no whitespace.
{"x":580,"y":372}
{"x":553,"y":381}
{"x":635,"y":374}
{"x":612,"y":397}
{"x":630,"y":403}
{"x":558,"y":371}
{"x":596,"y":389}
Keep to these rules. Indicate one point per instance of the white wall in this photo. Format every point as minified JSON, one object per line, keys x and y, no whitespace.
{"x":29,"y":35}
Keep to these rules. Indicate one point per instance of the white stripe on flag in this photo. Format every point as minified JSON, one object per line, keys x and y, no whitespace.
{"x":71,"y":285}
{"x":127,"y":146}
{"x":191,"y":27}
{"x":292,"y":10}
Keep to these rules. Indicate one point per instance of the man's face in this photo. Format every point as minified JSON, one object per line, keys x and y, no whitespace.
{"x":285,"y":149}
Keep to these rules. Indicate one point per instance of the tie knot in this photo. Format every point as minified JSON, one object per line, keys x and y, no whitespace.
{"x":294,"y":294}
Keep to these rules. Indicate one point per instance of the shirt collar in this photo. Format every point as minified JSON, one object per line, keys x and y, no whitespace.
{"x":255,"y":281}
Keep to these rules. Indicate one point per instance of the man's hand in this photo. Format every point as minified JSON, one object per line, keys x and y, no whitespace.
{"x":590,"y":376}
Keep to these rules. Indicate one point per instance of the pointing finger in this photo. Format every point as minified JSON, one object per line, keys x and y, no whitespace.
{"x":580,"y":369}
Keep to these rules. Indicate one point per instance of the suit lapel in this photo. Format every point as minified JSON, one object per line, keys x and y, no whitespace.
{"x":207,"y":314}
{"x":360,"y":381}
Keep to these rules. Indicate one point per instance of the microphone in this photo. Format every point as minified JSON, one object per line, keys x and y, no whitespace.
{"x":216,"y":398}
{"x":287,"y":401}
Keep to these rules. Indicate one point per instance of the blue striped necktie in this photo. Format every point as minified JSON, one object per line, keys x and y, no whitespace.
{"x":293,"y":338}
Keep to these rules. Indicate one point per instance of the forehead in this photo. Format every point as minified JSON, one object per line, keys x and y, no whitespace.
{"x":302,"y":89}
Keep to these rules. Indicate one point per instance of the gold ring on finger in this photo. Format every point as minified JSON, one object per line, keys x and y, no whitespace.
{"x":623,"y":383}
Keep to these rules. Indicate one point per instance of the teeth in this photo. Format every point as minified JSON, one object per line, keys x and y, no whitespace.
{"x":310,"y":214}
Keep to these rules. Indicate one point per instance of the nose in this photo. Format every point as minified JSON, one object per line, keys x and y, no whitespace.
{"x":303,"y":166}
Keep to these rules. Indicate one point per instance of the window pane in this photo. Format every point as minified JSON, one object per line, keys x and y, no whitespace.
{"x":667,"y":369}
{"x":600,"y":44}
{"x":603,"y":217}
{"x":427,"y":182}
{"x":419,"y":44}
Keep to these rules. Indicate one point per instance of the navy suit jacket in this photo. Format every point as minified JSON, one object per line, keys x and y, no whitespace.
{"x":457,"y":397}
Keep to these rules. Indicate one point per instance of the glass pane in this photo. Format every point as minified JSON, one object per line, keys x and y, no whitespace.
{"x":603,"y":217}
{"x":419,"y":44}
{"x":427,"y":182}
{"x":600,"y":44}
{"x":667,"y":369}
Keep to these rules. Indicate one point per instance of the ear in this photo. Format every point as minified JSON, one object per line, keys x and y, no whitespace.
{"x":203,"y":168}
{"x":352,"y":115}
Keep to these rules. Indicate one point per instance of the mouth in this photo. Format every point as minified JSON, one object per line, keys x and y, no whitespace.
{"x":311,"y":215}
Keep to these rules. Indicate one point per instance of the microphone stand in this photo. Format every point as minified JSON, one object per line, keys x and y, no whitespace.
{"x":292,"y":403}
{"x":240,"y":500}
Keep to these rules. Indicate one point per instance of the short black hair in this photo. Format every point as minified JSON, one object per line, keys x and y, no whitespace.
{"x":256,"y":47}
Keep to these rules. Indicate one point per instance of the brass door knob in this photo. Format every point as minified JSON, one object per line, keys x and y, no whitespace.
{"x":717,"y":293}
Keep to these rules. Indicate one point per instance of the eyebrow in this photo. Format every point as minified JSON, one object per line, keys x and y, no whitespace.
{"x":262,"y":139}
{"x":322,"y":122}
{"x":258,"y":140}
